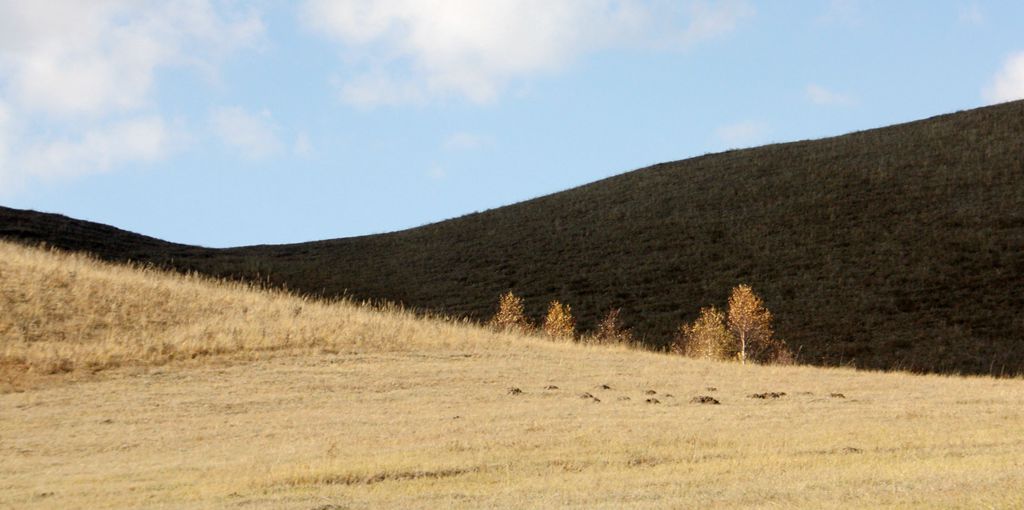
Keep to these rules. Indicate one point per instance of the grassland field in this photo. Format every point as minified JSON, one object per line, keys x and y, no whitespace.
{"x":126,"y":387}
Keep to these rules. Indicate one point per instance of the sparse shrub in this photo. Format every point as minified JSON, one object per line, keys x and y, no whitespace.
{"x":560,"y":322}
{"x":778,"y":353}
{"x":510,"y":315}
{"x":774,"y":352}
{"x":751,"y":325}
{"x":611,"y":330}
{"x":707,"y":337}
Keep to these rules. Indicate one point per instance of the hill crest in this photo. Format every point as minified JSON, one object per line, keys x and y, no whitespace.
{"x":896,"y":247}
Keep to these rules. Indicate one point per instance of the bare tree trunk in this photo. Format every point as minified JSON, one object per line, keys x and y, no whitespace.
{"x":743,"y":347}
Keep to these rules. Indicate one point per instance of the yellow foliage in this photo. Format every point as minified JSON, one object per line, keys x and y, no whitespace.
{"x":510,"y":315}
{"x":751,"y":325}
{"x":707,"y":337}
{"x":560,"y":322}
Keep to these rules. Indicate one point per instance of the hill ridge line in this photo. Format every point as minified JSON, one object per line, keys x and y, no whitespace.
{"x":892,"y":247}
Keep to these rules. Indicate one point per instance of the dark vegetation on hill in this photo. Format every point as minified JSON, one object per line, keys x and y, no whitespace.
{"x":900,"y":247}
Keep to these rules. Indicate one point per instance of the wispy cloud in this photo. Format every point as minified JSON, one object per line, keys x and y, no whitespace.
{"x":414,"y":51}
{"x":254,"y":136}
{"x":7,"y":172}
{"x":302,"y":147}
{"x":821,"y":96}
{"x":1008,"y":83}
{"x":437,"y":172}
{"x":464,"y":141}
{"x":76,"y":75}
{"x":375,"y":89}
{"x":972,"y":14}
{"x":99,"y":149}
{"x":841,"y":12}
{"x":745,"y":133}
{"x":70,"y":57}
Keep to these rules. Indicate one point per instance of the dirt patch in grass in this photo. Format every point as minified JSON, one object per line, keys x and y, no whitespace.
{"x":768,"y":395}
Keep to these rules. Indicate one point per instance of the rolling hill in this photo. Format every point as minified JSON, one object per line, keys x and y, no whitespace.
{"x":900,"y":247}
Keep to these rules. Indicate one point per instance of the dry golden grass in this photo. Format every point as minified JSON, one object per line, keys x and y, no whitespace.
{"x":364,"y":409}
{"x":70,"y":313}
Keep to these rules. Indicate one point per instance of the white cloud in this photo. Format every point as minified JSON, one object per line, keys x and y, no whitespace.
{"x":742,"y":134}
{"x":821,"y":96}
{"x":67,"y":57}
{"x":463,"y":141}
{"x":76,"y":75}
{"x":253,"y":136}
{"x":414,"y":50}
{"x":99,"y":149}
{"x":1008,"y":83}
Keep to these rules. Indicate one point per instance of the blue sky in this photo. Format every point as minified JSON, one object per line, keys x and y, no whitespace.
{"x":232,"y":123}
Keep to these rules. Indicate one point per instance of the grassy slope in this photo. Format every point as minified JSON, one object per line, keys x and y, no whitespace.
{"x":252,"y":405}
{"x":897,"y":247}
{"x":68,"y":313}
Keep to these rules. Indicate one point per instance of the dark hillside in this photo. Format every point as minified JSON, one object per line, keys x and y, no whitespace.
{"x":900,"y":247}
{"x":106,"y":242}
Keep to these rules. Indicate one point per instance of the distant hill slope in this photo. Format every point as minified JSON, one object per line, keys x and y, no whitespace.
{"x":899,"y":247}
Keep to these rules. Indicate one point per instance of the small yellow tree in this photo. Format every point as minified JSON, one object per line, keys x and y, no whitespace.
{"x":707,"y":337}
{"x":510,"y":315}
{"x":611,"y":330}
{"x":750,"y":323}
{"x":560,"y":322}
